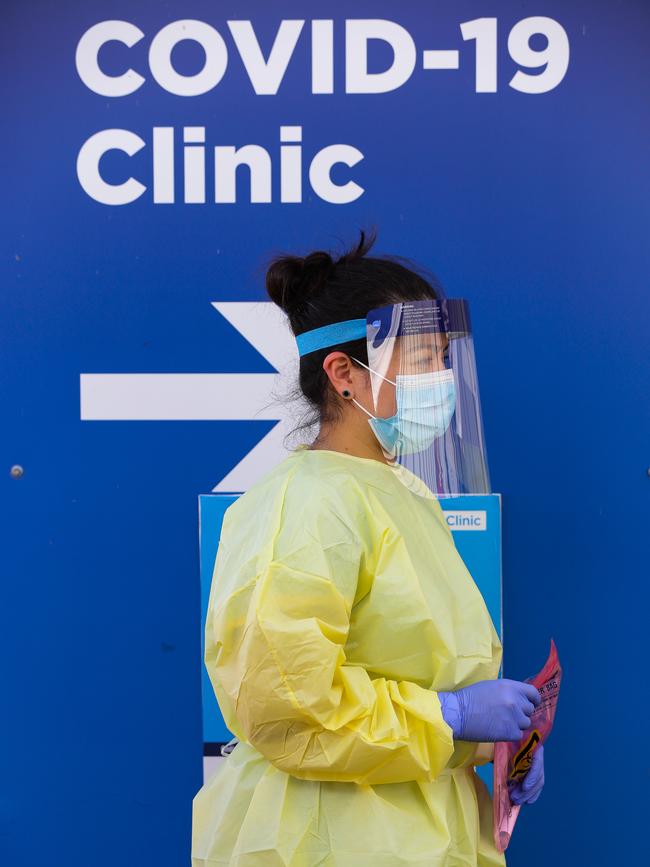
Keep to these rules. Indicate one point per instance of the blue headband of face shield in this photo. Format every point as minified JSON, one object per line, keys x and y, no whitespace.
{"x":330,"y":335}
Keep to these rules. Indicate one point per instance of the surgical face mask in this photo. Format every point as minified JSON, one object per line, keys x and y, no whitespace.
{"x":425,"y":405}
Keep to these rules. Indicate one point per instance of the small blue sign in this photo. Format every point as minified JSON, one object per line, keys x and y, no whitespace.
{"x":475,"y":522}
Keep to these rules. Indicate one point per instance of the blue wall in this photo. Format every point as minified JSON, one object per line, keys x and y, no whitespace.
{"x":534,"y":207}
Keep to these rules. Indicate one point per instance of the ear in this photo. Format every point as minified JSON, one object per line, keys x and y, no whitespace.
{"x":338,"y":368}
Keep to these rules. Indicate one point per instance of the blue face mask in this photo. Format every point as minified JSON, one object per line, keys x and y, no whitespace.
{"x":425,"y":404}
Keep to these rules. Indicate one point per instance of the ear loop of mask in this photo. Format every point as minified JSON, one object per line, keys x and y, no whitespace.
{"x":377,"y":374}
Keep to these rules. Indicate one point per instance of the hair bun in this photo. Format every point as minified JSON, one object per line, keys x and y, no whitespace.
{"x":291,"y":280}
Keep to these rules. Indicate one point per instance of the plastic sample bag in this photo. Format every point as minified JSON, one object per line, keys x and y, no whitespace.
{"x":512,"y":759}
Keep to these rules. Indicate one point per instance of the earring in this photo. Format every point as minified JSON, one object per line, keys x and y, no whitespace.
{"x":346,"y":393}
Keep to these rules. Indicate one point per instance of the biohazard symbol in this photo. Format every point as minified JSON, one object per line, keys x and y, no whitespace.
{"x":522,"y":761}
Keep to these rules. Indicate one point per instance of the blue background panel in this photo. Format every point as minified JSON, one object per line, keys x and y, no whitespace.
{"x":480,"y":550}
{"x":533,"y":207}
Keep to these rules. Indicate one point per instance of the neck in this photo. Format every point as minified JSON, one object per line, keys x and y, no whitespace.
{"x":349,"y":442}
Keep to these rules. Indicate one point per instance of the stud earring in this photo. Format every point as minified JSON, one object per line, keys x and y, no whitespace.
{"x":346,"y":393}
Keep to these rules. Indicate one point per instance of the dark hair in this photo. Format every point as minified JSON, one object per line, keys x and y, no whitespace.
{"x":317,"y":290}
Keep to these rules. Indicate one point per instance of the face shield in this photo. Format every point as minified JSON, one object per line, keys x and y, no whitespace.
{"x":426,"y":409}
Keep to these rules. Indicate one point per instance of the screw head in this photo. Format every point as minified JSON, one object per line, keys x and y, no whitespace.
{"x":16,"y":471}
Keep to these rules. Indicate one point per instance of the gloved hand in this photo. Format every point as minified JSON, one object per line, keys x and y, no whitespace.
{"x":490,"y":710}
{"x":528,"y":790}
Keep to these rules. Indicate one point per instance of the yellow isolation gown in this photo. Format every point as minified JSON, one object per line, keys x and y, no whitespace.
{"x":339,"y":606}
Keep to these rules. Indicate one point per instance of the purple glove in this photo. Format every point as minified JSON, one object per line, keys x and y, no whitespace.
{"x":528,"y":790}
{"x":490,"y":710}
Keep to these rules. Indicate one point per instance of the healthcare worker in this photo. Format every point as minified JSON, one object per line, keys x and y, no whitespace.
{"x":350,"y":651}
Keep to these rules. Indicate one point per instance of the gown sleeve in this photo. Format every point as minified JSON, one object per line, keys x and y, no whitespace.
{"x":275,"y":652}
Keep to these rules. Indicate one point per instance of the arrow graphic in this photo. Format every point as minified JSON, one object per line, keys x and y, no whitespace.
{"x":211,"y":396}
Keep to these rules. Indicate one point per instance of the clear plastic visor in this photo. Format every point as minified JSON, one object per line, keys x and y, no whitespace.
{"x":424,"y":394}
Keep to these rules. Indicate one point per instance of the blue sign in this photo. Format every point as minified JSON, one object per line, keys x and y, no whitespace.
{"x":155,"y":156}
{"x":475,"y":522}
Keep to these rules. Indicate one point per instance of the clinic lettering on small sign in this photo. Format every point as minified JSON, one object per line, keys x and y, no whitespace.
{"x":466,"y":520}
{"x":533,"y":71}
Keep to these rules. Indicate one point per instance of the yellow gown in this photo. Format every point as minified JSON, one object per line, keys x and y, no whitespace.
{"x":339,"y":607}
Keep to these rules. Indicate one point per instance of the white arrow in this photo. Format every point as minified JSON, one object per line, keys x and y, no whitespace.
{"x":211,"y":396}
{"x":176,"y":396}
{"x":265,"y":327}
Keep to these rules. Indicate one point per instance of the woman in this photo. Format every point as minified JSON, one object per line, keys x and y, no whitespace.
{"x":350,"y":651}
